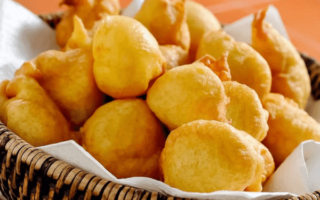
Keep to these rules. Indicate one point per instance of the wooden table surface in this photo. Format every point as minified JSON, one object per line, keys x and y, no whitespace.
{"x":301,"y":17}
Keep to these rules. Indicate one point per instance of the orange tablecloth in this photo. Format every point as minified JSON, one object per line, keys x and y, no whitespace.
{"x":301,"y":17}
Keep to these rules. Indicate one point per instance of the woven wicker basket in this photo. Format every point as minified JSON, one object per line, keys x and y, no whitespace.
{"x":29,"y":173}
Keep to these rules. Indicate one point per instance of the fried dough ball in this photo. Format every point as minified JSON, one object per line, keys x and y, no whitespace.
{"x":174,"y":56}
{"x":200,"y":20}
{"x":207,"y":156}
{"x":89,"y":11}
{"x":68,"y":79}
{"x":166,"y":20}
{"x":126,"y":138}
{"x":28,"y":111}
{"x":188,"y":93}
{"x":269,"y":164}
{"x":127,"y":57}
{"x":247,"y":66}
{"x":289,"y":73}
{"x":288,"y":126}
{"x":245,"y":111}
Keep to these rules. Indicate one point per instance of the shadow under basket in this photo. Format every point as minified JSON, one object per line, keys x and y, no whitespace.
{"x":29,"y":173}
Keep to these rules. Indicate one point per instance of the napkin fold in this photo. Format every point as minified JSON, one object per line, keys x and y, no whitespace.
{"x":23,"y":35}
{"x":240,"y":30}
{"x":80,"y":158}
{"x":298,"y":174}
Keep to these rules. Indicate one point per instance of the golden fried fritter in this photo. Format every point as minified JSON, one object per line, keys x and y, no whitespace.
{"x":166,"y":20}
{"x":288,"y":127}
{"x":89,"y":11}
{"x":245,"y":111}
{"x":269,"y":164}
{"x":289,"y":73}
{"x":126,"y":138}
{"x":247,"y":66}
{"x":127,"y":57}
{"x":68,"y":79}
{"x":200,"y":20}
{"x":29,"y":112}
{"x":188,"y":93}
{"x":206,"y":156}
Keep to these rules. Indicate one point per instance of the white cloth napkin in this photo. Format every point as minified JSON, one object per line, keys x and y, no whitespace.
{"x":241,"y":29}
{"x":23,"y":35}
{"x":299,"y":174}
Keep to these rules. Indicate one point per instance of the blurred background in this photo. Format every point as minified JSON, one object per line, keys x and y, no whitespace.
{"x":301,"y":17}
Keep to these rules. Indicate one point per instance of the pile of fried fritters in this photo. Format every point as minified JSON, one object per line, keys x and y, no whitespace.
{"x":119,"y":85}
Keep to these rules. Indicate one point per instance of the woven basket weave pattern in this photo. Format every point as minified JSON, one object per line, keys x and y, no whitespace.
{"x":29,"y":173}
{"x":314,"y":72}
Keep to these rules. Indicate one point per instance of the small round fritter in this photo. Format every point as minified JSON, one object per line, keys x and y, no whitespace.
{"x":127,"y":57}
{"x":289,"y":72}
{"x":167,"y":21}
{"x":288,"y":126}
{"x":247,"y":66}
{"x":28,"y":111}
{"x":188,"y":93}
{"x":207,"y":156}
{"x":126,"y":138}
{"x":67,"y":78}
{"x":89,"y":11}
{"x":245,"y":111}
{"x":269,"y":164}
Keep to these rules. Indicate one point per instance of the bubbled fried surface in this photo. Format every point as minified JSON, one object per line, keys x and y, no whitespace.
{"x":89,"y":11}
{"x":187,"y":93}
{"x":28,"y":111}
{"x":206,"y":156}
{"x":126,"y":138}
{"x":288,"y":127}
{"x":166,"y":20}
{"x":247,"y":66}
{"x":67,"y":78}
{"x":289,"y":73}
{"x":245,"y":111}
{"x":263,"y":151}
{"x":127,"y":57}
